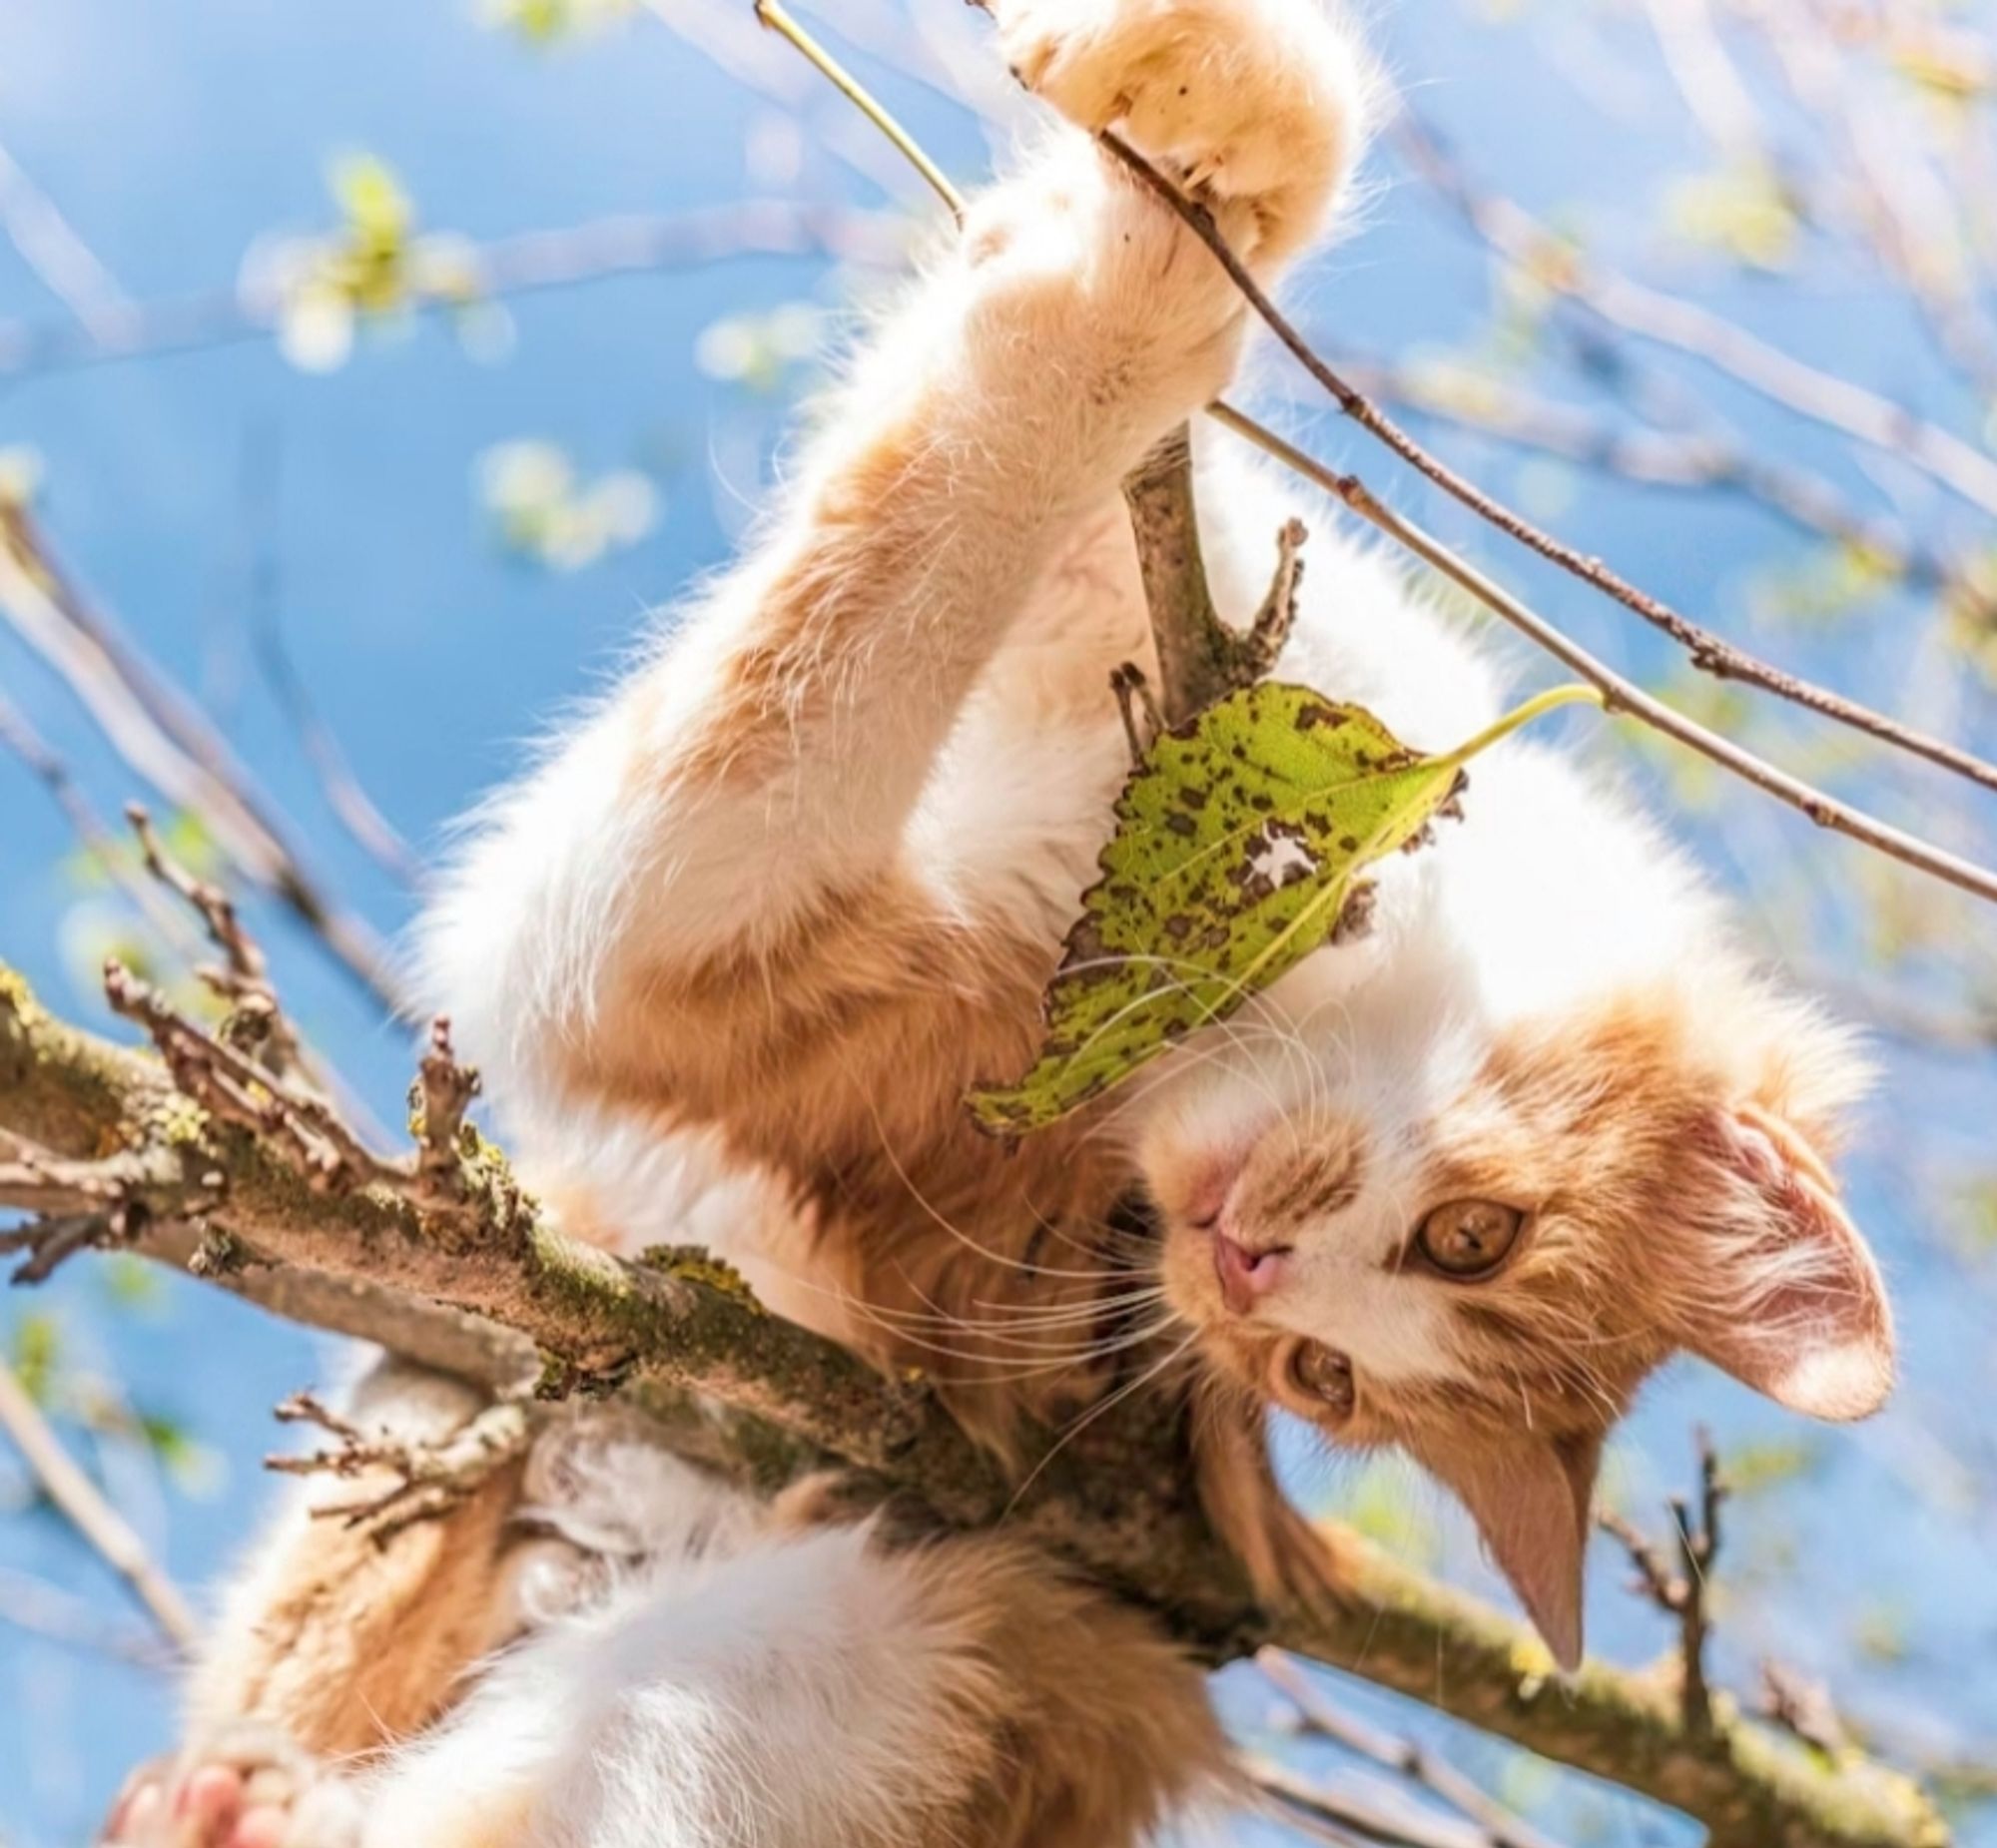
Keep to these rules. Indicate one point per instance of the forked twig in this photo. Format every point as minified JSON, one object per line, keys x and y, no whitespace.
{"x":1681,"y":1589}
{"x":427,"y":1478}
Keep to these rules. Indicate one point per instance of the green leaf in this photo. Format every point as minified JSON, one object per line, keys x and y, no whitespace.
{"x":1237,"y":851}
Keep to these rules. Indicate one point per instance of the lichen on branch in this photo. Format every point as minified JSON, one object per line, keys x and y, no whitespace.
{"x":472,"y":1277}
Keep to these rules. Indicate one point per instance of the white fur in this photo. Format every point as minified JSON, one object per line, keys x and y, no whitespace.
{"x":775,"y":1691}
{"x":734,"y":1686}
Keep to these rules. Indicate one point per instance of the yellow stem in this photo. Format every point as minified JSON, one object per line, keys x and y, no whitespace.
{"x":1571,"y":694}
{"x":774,"y":15}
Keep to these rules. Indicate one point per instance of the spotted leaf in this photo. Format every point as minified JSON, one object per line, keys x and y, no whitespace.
{"x":1238,"y":849}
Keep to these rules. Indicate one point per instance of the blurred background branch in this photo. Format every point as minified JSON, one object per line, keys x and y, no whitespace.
{"x":1705,"y":281}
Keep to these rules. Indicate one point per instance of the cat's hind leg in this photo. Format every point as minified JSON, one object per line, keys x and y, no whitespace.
{"x":817,"y":1690}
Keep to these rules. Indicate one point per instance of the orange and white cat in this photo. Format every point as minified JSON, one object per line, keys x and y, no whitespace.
{"x":732,"y":954}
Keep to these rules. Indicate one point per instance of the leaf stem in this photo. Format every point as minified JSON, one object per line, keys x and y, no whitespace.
{"x":1572,"y":692}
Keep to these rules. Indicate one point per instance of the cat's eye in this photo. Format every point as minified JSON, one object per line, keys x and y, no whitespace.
{"x":1468,"y":1239}
{"x":1325,"y":1375}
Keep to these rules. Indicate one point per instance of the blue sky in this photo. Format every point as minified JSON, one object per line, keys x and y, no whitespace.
{"x":177,"y":135}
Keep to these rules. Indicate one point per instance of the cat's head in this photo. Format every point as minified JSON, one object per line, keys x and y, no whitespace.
{"x":1464,"y":1205}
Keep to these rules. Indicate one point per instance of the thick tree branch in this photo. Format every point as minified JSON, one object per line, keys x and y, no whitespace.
{"x":1115,"y":1499}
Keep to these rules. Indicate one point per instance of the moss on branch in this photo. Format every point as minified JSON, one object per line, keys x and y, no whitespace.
{"x":482,"y":1284}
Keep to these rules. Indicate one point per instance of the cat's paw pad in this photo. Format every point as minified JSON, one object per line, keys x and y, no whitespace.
{"x":1257,"y":101}
{"x":246,"y":1788}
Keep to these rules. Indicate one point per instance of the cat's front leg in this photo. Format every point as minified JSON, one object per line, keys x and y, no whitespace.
{"x":1258,"y":106}
{"x":714,"y":877}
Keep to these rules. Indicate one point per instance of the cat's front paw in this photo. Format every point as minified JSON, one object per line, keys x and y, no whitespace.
{"x":1259,"y":105}
{"x":249,"y":1787}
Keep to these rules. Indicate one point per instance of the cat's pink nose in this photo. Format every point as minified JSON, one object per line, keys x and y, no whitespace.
{"x":1244,"y":1275}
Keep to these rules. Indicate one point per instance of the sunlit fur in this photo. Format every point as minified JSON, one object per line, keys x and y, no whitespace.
{"x":732,"y":954}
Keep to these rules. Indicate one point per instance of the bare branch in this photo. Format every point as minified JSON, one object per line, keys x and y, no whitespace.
{"x":508,"y":268}
{"x":1706,"y":461}
{"x":43,"y":1610}
{"x":162,"y":737}
{"x":83,"y":1506}
{"x":1708,"y":652}
{"x":426,"y":1480}
{"x":779,"y":1401}
{"x":1498,"y":1826}
{"x":1680,"y":1590}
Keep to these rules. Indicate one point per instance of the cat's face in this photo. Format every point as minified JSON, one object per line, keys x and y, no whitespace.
{"x":1473,"y":1243}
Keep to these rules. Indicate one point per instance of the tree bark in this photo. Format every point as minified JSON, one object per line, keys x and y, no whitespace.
{"x":489,"y":1288}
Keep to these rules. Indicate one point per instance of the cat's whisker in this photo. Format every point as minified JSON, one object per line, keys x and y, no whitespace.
{"x":1096,"y":1411}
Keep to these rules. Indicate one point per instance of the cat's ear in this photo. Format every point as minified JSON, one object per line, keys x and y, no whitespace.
{"x":1531,"y":1498}
{"x":1794,"y":1307}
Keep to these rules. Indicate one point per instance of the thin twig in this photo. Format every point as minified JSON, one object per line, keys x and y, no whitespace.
{"x":1695,"y":461}
{"x":1709,"y":653}
{"x":257,"y":1023}
{"x":1501,"y":1827}
{"x":1133,"y":696}
{"x":427,"y":1479}
{"x":162,"y":737}
{"x":1334,"y":1813}
{"x":1681,"y":1590}
{"x":635,"y":244}
{"x":43,"y":1610}
{"x":84,"y":1507}
{"x":1621,"y":695}
{"x":777,"y":18}
{"x":439,"y":1099}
